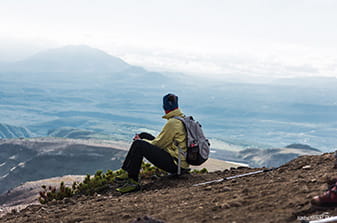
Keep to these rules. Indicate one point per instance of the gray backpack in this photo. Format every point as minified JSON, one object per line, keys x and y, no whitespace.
{"x":198,"y":145}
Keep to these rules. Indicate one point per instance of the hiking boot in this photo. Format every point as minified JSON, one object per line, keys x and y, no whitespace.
{"x":130,"y":186}
{"x":120,"y":172}
{"x":122,"y":178}
{"x":328,"y":198}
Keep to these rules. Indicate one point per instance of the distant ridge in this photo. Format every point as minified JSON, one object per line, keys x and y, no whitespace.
{"x":301,"y":146}
{"x":72,"y":58}
{"x":276,"y":156}
{"x":11,"y":131}
{"x":24,"y":160}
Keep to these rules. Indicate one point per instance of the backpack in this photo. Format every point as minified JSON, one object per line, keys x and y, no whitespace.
{"x":198,"y":145}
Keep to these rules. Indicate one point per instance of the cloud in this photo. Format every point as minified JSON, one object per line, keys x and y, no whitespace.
{"x":245,"y":63}
{"x":279,"y":64}
{"x":213,"y":38}
{"x":14,"y":49}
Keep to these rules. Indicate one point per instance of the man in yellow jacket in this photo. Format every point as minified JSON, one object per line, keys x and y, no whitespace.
{"x":162,"y":151}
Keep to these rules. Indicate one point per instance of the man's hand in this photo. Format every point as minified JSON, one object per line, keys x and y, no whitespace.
{"x":136,"y":137}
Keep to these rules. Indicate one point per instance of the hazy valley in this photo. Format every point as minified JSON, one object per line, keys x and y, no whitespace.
{"x":84,"y":88}
{"x":78,"y":92}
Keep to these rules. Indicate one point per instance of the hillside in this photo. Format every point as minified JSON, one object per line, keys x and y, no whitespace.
{"x":27,"y":193}
{"x":10,"y":131}
{"x":276,"y":156}
{"x":281,"y":195}
{"x":23,"y":160}
{"x":42,"y":161}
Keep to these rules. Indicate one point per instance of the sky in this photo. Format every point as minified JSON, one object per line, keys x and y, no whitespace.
{"x":213,"y":38}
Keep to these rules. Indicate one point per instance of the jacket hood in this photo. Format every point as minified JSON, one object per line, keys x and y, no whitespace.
{"x":171,"y":114}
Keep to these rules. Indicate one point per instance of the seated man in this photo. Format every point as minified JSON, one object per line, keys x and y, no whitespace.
{"x":161,"y":151}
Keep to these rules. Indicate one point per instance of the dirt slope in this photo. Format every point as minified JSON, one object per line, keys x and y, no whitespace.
{"x":282,"y":195}
{"x":28,"y":193}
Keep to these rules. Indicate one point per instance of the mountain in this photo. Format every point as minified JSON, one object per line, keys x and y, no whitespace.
{"x":73,"y":133}
{"x":276,"y":156}
{"x":10,"y":131}
{"x":303,"y":147}
{"x":80,"y":66}
{"x":69,"y":59}
{"x":24,"y":160}
{"x":278,"y":196}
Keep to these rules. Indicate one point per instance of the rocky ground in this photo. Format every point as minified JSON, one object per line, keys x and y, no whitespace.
{"x":281,"y":195}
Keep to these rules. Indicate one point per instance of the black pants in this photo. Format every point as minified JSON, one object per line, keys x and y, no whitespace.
{"x":157,"y":156}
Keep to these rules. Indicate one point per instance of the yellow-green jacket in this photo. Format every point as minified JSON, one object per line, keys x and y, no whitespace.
{"x":173,"y":131}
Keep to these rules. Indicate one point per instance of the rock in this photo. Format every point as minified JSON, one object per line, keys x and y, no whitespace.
{"x":245,"y":191}
{"x":68,"y":201}
{"x":147,"y":219}
{"x":208,"y":188}
{"x":225,"y":206}
{"x":313,"y":180}
{"x":224,"y":189}
{"x":53,"y":202}
{"x":242,"y":167}
{"x":216,"y":217}
{"x":307,"y":167}
{"x":215,"y":200}
{"x":305,"y":189}
{"x":126,"y":216}
{"x":235,"y":204}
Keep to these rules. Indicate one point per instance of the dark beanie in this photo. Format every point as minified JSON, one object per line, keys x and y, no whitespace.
{"x":170,"y":102}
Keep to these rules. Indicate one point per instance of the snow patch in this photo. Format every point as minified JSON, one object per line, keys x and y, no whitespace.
{"x":4,"y":176}
{"x":12,"y":169}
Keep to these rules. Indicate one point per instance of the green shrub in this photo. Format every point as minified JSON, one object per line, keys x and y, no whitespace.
{"x":99,"y":183}
{"x":203,"y":170}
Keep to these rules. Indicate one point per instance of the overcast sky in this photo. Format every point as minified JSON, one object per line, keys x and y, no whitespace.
{"x":218,"y":38}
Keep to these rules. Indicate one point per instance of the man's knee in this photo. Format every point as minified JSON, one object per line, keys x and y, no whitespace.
{"x":139,"y":145}
{"x":145,"y":135}
{"x":139,"y":142}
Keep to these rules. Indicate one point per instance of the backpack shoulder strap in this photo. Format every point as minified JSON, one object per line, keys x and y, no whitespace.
{"x":184,"y":118}
{"x":179,"y":118}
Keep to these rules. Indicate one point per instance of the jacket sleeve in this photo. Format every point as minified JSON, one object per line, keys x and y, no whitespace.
{"x":165,"y":138}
